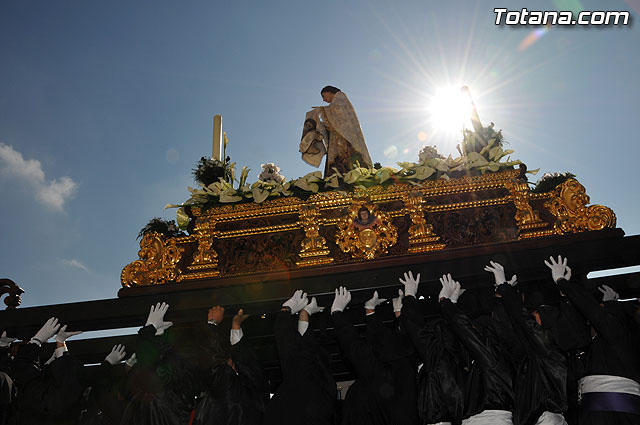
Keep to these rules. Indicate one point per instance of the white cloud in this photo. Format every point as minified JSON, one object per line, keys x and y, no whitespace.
{"x":74,"y":263}
{"x":52,"y":193}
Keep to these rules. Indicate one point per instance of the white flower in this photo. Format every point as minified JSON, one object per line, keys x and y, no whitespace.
{"x":271,"y":174}
{"x":428,"y":152}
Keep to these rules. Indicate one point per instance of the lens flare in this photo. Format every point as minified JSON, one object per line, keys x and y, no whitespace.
{"x":534,"y":36}
{"x":450,"y":110}
{"x":391,"y":152}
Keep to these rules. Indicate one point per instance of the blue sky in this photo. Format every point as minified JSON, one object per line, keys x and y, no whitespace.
{"x":106,"y":106}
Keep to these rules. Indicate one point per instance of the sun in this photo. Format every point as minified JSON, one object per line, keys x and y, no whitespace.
{"x":449,"y":110}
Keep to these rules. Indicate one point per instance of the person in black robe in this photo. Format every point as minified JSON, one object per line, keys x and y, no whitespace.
{"x":308,"y":391}
{"x":441,"y":378}
{"x":236,"y":389}
{"x":541,"y":380}
{"x":107,"y":397}
{"x":609,"y":389}
{"x":489,"y":394}
{"x":51,"y":394}
{"x":163,"y":384}
{"x":8,"y":391}
{"x":384,"y":391}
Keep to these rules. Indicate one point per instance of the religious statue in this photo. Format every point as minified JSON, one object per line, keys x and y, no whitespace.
{"x":334,"y":130}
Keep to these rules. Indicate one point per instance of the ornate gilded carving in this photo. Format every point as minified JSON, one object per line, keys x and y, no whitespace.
{"x":157,"y":264}
{"x":569,"y":206}
{"x":421,"y":236}
{"x":527,"y":218}
{"x":205,"y":259}
{"x":258,"y":253}
{"x":13,"y":292}
{"x":290,"y":233}
{"x":314,"y":247}
{"x":365,"y":232}
{"x":469,"y":227}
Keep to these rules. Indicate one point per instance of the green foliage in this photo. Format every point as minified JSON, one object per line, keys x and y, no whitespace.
{"x":209,"y":171}
{"x":550,"y":181}
{"x":167,"y":228}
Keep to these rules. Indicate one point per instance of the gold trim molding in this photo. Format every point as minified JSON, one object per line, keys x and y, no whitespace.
{"x":326,"y":228}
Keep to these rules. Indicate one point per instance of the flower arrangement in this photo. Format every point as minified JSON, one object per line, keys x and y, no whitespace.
{"x":480,"y":152}
{"x":428,"y":152}
{"x":209,"y":170}
{"x":271,"y":174}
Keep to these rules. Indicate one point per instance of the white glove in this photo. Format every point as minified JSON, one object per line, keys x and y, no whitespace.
{"x":559,"y":270}
{"x":608,"y":293}
{"x":297,"y":302}
{"x":446,"y":290}
{"x":341,"y":300}
{"x":498,"y":274}
{"x":47,"y":330}
{"x":312,"y":307}
{"x":450,"y":288}
{"x":132,"y":360}
{"x":410,"y":284}
{"x":63,"y":335}
{"x":116,"y":355}
{"x":374,"y":302}
{"x":6,"y":341}
{"x":397,"y":302}
{"x":156,"y":318}
{"x":457,"y":292}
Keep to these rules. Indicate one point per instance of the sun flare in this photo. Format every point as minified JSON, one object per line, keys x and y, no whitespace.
{"x":450,"y":110}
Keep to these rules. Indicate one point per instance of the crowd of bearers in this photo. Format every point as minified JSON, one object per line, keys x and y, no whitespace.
{"x":523,"y":363}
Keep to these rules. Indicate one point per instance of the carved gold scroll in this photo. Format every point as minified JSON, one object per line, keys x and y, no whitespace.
{"x":569,"y":206}
{"x":157,"y":264}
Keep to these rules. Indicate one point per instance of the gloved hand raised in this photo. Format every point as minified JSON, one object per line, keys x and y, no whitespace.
{"x":608,"y":293}
{"x":312,"y":307}
{"x":342,"y":299}
{"x":63,"y":335}
{"x":372,"y":303}
{"x":410,"y":284}
{"x":47,"y":330}
{"x":397,"y":302}
{"x":498,"y":274}
{"x":238,"y":319}
{"x":116,"y":355}
{"x":132,"y":360}
{"x":6,"y":341}
{"x":156,"y":318}
{"x":297,"y":302}
{"x":450,"y":288}
{"x":559,"y":269}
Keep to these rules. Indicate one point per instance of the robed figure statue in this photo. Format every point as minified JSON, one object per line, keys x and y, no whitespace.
{"x":334,"y":130}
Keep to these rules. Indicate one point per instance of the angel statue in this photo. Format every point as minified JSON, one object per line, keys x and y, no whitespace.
{"x":334,"y":130}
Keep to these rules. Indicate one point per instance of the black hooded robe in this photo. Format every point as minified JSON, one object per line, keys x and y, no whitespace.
{"x":308,"y":391}
{"x":615,"y":350}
